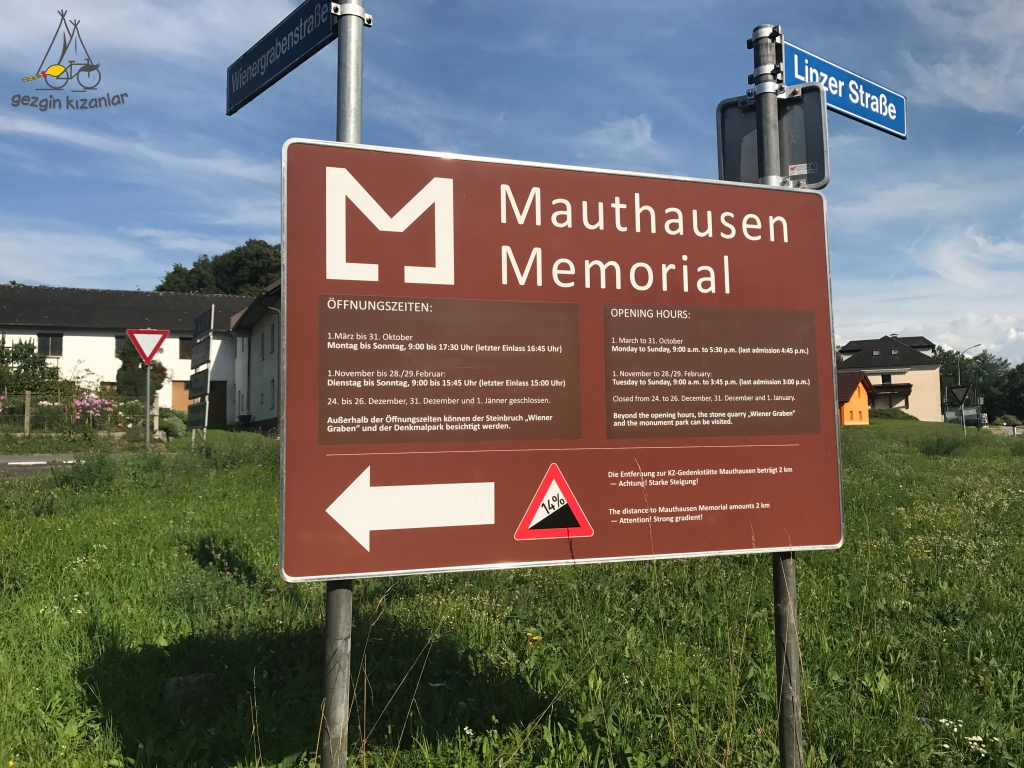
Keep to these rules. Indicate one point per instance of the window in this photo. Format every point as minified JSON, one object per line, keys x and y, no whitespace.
{"x":263,"y":340}
{"x":51,"y":344}
{"x":261,"y":398}
{"x":273,"y":394}
{"x":860,"y":415}
{"x":851,"y":415}
{"x":875,"y":352}
{"x":887,"y":378}
{"x":895,"y":352}
{"x":185,"y":349}
{"x":271,"y":338}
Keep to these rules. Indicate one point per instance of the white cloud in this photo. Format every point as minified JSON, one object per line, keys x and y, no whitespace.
{"x":976,"y":54}
{"x":176,"y":240}
{"x":203,"y":29}
{"x":220,"y":163}
{"x":54,"y":253}
{"x":432,"y":117}
{"x":627,"y":139}
{"x":934,"y":199}
{"x":969,"y":293}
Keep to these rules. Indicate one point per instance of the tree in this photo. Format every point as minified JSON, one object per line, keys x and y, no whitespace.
{"x":1015,"y":391}
{"x":989,"y":372}
{"x":242,"y":271}
{"x":131,"y":376}
{"x":22,"y":368}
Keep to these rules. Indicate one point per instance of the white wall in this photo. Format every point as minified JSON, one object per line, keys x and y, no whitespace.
{"x":238,"y":396}
{"x":261,"y":388}
{"x":926,"y":395}
{"x":92,"y":357}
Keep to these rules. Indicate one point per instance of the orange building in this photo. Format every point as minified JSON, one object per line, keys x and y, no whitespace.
{"x":854,"y":392}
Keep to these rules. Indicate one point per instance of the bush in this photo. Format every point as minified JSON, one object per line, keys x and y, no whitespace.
{"x":172,"y":425}
{"x":891,"y":413}
{"x":169,"y":412}
{"x":89,"y":470}
{"x":1006,"y":420}
{"x":130,"y":413}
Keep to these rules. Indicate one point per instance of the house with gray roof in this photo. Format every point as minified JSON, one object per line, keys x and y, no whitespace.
{"x":902,"y":370}
{"x":81,"y":330}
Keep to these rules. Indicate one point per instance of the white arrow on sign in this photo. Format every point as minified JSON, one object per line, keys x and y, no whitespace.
{"x":362,"y":508}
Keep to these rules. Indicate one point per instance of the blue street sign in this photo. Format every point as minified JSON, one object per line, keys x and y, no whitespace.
{"x":304,"y":31}
{"x":847,"y":93}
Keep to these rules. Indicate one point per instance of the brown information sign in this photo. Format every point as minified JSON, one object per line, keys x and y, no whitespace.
{"x":492,"y":364}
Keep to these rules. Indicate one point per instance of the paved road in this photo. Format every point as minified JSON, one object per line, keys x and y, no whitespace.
{"x":13,"y":466}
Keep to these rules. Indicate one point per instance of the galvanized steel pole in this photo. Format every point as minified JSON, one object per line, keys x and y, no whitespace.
{"x":766,"y":77}
{"x":766,"y":89}
{"x":338,"y":652}
{"x":149,"y":405}
{"x":787,"y":661}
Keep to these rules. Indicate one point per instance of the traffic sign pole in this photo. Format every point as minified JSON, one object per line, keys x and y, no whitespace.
{"x":338,"y":651}
{"x":149,"y":405}
{"x":765,"y":41}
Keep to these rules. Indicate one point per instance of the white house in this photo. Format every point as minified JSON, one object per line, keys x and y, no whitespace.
{"x":81,"y":330}
{"x":903,"y":371}
{"x":256,"y":399}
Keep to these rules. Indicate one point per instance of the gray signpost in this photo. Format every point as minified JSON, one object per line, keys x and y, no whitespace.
{"x":766,"y":79}
{"x":199,"y":381}
{"x":306,"y":30}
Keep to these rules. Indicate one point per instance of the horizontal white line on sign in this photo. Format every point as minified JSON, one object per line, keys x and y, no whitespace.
{"x":538,"y":450}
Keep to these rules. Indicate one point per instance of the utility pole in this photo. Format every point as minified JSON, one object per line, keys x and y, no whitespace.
{"x":338,"y":652}
{"x":766,"y":42}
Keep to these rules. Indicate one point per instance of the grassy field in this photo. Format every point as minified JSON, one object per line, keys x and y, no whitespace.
{"x":118,"y":576}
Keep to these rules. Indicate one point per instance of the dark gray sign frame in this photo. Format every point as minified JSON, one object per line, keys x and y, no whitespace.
{"x":803,"y":137}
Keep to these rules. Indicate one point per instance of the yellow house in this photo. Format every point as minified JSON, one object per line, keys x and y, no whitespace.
{"x":853,"y":393}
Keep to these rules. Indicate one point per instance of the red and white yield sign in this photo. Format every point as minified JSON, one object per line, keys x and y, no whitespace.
{"x":491,"y":364}
{"x":147,"y":342}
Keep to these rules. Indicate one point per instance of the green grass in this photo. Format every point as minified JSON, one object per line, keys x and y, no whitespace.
{"x":116,"y":576}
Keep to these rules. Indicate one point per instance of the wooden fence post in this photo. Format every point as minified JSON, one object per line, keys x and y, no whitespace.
{"x":28,"y":412}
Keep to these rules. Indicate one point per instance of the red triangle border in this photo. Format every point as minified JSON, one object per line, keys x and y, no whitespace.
{"x":523,"y":532}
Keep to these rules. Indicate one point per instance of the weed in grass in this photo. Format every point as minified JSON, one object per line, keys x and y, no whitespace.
{"x":944,"y":444}
{"x":88,"y":470}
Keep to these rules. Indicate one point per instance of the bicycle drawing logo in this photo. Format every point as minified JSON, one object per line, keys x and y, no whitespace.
{"x":59,"y":73}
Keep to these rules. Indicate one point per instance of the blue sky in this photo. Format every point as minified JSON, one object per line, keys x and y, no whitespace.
{"x":926,"y":235}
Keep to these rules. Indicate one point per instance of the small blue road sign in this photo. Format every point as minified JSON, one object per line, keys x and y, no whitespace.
{"x":848,"y":93}
{"x":304,"y":31}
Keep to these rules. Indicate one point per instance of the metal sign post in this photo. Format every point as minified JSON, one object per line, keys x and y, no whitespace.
{"x":149,"y":404}
{"x":767,"y":43}
{"x":338,"y":649}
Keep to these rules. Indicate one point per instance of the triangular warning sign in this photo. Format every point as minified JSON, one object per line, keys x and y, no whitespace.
{"x":960,"y":393}
{"x":147,"y":341}
{"x":554,"y":512}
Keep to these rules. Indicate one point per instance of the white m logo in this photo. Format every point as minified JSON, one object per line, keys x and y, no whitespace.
{"x":342,"y":186}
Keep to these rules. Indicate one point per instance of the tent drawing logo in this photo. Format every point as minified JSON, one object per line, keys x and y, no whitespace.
{"x":554,"y":512}
{"x":60,"y":64}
